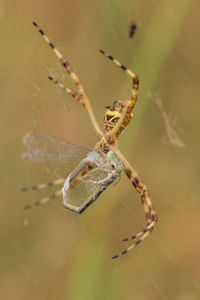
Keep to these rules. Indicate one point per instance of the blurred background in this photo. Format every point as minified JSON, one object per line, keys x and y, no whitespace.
{"x":49,"y":252}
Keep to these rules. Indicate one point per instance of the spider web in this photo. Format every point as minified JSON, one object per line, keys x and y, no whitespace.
{"x":69,"y":253}
{"x":155,"y":285}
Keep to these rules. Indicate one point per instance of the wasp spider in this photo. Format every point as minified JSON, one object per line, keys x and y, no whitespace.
{"x":103,"y":164}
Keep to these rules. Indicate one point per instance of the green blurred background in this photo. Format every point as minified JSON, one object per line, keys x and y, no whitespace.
{"x":49,"y":252}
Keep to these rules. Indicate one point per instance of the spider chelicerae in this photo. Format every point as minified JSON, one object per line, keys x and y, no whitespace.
{"x":102,"y":165}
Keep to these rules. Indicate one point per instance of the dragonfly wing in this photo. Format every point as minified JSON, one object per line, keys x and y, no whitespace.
{"x":46,"y":149}
{"x":85,"y":184}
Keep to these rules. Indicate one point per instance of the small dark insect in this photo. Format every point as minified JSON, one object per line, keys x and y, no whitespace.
{"x":132,"y":30}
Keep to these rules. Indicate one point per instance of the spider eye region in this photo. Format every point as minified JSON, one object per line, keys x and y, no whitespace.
{"x":115,"y":160}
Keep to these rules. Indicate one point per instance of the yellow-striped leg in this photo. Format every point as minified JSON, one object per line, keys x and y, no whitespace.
{"x":41,"y":186}
{"x":45,"y":199}
{"x":83,"y":99}
{"x":66,"y":89}
{"x":126,"y":115}
{"x":147,"y":204}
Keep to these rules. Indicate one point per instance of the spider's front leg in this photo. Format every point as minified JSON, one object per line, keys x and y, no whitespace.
{"x":126,"y":105}
{"x":147,"y":204}
{"x":80,"y":96}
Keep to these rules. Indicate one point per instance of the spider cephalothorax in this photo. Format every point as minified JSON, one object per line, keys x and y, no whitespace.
{"x":104,"y":163}
{"x":116,"y":118}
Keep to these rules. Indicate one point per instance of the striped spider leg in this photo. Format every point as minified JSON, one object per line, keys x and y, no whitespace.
{"x":80,"y":96}
{"x":117,"y":118}
{"x":150,"y":213}
{"x":119,"y":114}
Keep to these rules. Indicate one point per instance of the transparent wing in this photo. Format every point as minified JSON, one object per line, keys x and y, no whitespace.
{"x":89,"y":188}
{"x":86,"y":183}
{"x":46,"y":149}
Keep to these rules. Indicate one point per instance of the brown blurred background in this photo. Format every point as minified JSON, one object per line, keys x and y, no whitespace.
{"x":49,"y":252}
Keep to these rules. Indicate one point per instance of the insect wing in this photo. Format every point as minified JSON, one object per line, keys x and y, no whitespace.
{"x":46,"y":149}
{"x":85,"y":184}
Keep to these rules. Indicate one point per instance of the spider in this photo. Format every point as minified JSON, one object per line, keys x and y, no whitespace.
{"x":103,"y":164}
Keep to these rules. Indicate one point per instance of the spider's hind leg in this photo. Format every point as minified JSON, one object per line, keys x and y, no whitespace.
{"x":45,"y":199}
{"x":147,"y":204}
{"x":143,"y":235}
{"x":41,"y":186}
